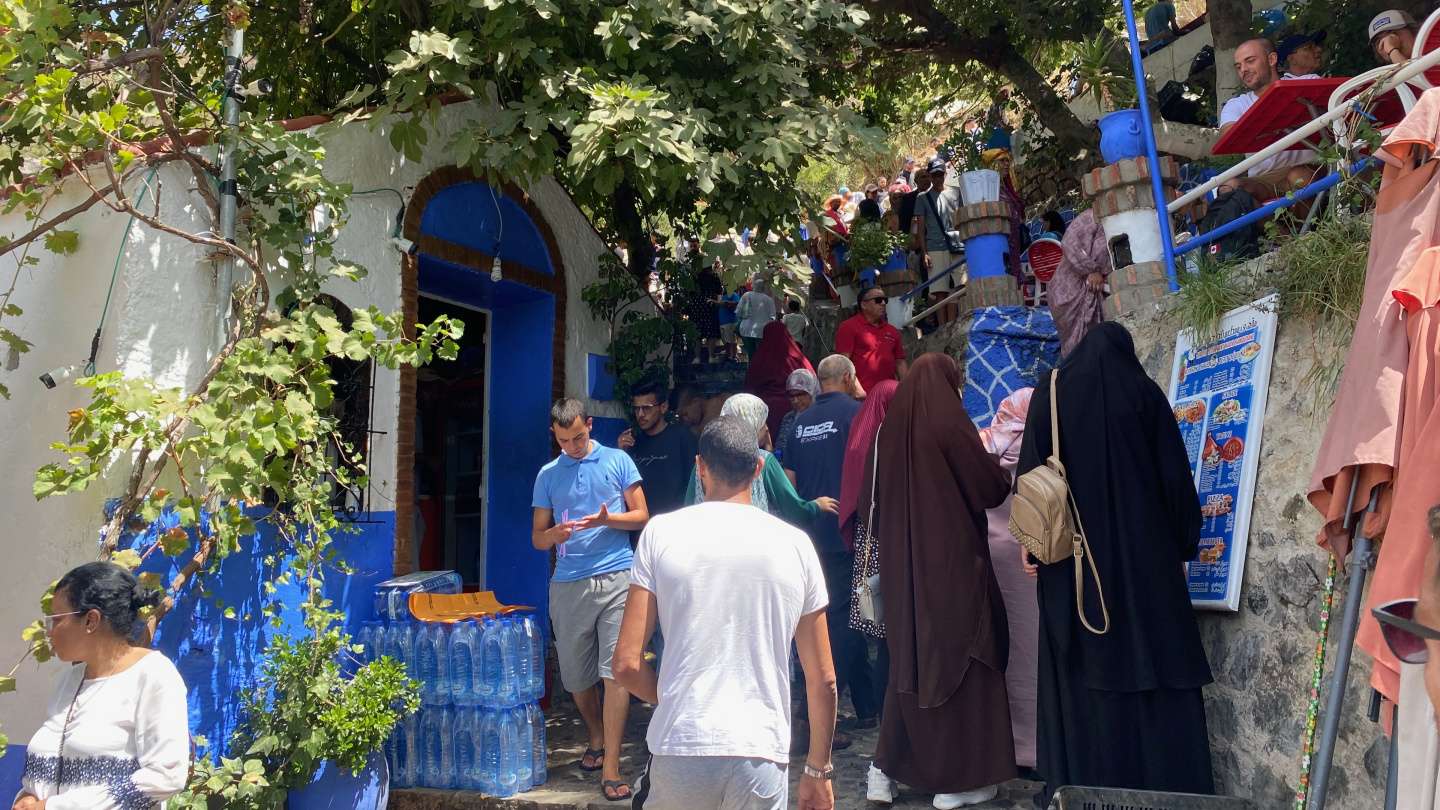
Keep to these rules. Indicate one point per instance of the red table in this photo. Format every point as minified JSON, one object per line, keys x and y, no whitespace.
{"x":1285,"y":106}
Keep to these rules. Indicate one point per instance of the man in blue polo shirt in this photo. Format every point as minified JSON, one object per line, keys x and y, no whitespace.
{"x":587,"y":501}
{"x":815,"y":453}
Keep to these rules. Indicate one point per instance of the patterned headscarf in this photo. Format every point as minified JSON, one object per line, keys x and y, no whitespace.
{"x":803,"y":379}
{"x":748,"y":407}
{"x":992,"y":156}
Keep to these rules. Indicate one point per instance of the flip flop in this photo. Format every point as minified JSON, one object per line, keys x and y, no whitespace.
{"x":595,"y":754}
{"x":615,"y":785}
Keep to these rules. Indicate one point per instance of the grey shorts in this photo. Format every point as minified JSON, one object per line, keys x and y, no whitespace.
{"x":585,"y":615}
{"x":722,"y":783}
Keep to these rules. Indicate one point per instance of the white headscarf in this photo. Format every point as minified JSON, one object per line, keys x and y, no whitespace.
{"x":803,"y":379}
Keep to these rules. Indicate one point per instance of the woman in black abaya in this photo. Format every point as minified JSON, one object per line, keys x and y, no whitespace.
{"x":1122,"y":709}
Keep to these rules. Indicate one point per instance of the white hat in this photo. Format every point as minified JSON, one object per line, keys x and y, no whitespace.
{"x":1392,"y":20}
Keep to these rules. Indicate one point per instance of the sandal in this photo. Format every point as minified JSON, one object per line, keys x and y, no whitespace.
{"x":594,"y":754}
{"x":615,"y":785}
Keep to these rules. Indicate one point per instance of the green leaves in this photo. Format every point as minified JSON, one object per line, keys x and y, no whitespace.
{"x":303,"y":711}
{"x":62,"y":242}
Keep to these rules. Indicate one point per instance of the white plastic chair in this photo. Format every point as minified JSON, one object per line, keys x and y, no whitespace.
{"x":1347,"y":91}
{"x":1425,"y":44}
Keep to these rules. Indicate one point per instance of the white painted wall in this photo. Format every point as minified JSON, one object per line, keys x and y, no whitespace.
{"x":161,"y":324}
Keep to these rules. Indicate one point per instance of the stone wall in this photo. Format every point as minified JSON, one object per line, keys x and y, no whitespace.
{"x":1262,"y":655}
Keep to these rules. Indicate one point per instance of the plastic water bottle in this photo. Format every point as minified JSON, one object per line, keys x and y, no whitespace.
{"x":490,"y":751}
{"x":366,"y":639}
{"x":509,"y":690}
{"x":509,"y":754}
{"x":432,"y":658}
{"x":403,"y":752}
{"x":524,"y":750}
{"x":437,"y":741}
{"x":524,"y":662}
{"x":467,"y":749}
{"x":531,"y":627}
{"x":492,"y":668}
{"x":536,"y":721}
{"x":399,"y":644}
{"x":393,"y":745}
{"x":462,"y":664}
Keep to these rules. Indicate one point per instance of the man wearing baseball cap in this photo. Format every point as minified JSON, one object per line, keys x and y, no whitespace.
{"x":1302,"y":55}
{"x":908,"y":175}
{"x":1392,"y":35}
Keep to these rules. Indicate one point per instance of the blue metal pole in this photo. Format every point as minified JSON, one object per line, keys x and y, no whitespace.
{"x":1137,"y":63}
{"x":1271,"y":207}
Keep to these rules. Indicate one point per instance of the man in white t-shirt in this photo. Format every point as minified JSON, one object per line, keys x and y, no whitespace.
{"x":1276,"y":176}
{"x":732,"y":586}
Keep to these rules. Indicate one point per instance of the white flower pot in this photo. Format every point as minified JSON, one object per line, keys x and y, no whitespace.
{"x":981,"y":185}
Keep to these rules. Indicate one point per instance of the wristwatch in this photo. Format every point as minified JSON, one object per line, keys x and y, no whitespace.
{"x":828,"y":773}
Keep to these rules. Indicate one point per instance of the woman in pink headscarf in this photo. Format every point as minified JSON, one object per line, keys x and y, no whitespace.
{"x":1002,"y":439}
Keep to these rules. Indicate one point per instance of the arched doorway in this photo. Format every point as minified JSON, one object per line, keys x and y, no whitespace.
{"x":473,"y":432}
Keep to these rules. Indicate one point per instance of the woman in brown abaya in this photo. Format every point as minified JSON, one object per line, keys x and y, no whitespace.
{"x":945,"y":728}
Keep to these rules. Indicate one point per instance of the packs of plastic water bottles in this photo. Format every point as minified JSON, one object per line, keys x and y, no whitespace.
{"x":479,"y":726}
{"x":392,"y":597}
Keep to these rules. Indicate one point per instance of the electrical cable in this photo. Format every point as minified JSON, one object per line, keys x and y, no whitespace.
{"x":105,"y":310}
{"x":399,"y":217}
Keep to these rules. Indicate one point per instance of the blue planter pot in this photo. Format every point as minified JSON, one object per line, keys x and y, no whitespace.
{"x":1122,"y":135}
{"x":332,"y":790}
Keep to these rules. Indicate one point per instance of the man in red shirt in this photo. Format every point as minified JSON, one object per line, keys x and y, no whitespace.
{"x":872,"y":344}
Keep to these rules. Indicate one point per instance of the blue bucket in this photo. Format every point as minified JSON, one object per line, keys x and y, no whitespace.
{"x":1122,"y":135}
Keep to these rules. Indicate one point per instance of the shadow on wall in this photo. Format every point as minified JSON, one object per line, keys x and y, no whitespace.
{"x":217,"y":641}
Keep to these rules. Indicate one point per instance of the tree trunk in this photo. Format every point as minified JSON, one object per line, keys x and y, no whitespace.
{"x":1229,"y":26}
{"x":1079,"y":142}
{"x":630,"y":226}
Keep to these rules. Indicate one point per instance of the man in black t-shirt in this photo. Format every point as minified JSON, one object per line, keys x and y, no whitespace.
{"x":914,"y":251}
{"x":664,"y":454}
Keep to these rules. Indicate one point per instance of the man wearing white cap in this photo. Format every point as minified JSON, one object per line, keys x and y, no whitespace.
{"x":1392,"y":35}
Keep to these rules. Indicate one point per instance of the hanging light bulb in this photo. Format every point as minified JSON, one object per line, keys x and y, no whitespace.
{"x":495,"y":270}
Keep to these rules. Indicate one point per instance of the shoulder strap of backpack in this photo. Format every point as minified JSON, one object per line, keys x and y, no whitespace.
{"x":1082,"y":543}
{"x":1054,"y":461}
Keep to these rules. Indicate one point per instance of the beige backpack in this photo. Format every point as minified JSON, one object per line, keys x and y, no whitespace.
{"x":1044,"y":519}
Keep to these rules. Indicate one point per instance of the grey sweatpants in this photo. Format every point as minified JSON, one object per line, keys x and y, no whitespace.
{"x":712,"y":783}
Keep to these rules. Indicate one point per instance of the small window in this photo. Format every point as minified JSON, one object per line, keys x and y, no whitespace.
{"x":352,"y":408}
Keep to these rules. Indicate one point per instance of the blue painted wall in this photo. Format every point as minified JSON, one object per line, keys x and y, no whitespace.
{"x":482,"y":218}
{"x":219,"y":657}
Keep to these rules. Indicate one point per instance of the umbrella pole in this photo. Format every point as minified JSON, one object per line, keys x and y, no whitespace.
{"x":1392,"y":778}
{"x":1361,"y":561}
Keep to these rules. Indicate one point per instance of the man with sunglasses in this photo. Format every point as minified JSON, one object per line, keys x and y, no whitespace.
{"x":871,"y":343}
{"x":663,"y":454}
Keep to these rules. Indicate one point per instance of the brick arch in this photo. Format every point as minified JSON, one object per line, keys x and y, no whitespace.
{"x":445,"y":250}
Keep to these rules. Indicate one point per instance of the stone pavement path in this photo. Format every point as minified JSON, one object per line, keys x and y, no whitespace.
{"x":568,"y":787}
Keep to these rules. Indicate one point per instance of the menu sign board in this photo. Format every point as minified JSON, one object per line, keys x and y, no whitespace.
{"x":1218,"y":389}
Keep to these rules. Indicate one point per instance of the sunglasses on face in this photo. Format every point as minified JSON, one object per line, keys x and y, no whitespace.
{"x":643,"y":408}
{"x":1405,"y":636}
{"x":879,"y":299}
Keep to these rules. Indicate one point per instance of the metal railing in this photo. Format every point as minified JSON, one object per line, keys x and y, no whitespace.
{"x":1405,"y":73}
{"x":934,"y":278}
{"x":1323,"y":184}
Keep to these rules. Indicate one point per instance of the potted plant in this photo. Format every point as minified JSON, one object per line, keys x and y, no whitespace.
{"x":305,"y":716}
{"x":872,"y":245}
{"x":1122,"y":132}
{"x":977,"y":183}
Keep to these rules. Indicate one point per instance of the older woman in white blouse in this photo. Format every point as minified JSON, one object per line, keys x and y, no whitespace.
{"x":116,"y":736}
